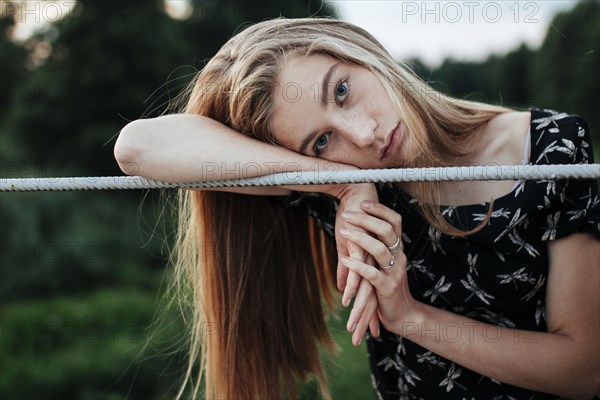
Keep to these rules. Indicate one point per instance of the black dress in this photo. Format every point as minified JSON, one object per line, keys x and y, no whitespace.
{"x":497,"y":276}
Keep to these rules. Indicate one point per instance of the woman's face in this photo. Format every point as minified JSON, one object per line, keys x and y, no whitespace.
{"x":339,"y":112}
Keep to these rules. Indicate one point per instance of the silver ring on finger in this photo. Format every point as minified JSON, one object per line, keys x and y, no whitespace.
{"x":395,"y":247}
{"x":391,"y":264}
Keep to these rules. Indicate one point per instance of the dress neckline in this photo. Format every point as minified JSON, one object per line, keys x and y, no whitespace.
{"x":527,"y":148}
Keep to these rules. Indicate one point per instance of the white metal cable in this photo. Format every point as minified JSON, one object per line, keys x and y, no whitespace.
{"x":475,"y":173}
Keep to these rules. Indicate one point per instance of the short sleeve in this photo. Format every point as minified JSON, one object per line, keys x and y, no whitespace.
{"x":571,"y":205}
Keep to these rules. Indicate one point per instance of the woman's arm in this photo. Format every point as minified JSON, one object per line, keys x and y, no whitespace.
{"x":564,"y":361}
{"x":193,"y":148}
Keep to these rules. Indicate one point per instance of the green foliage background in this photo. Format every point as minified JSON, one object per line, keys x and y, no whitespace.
{"x":81,"y":272}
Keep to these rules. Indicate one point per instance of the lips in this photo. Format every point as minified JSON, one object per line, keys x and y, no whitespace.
{"x":391,"y":142}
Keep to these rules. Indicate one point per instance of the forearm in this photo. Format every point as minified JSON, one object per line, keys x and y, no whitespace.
{"x":540,"y":361}
{"x":188,"y":148}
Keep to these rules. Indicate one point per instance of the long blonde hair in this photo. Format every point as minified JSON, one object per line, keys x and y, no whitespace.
{"x":253,"y":275}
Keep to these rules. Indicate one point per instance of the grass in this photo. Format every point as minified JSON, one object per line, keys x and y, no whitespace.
{"x":349,"y":371}
{"x":93,"y":347}
{"x":87,"y":347}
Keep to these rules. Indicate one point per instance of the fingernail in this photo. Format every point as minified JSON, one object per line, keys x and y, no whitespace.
{"x":367,"y":204}
{"x":353,"y":328}
{"x":359,"y":341}
{"x":345,"y":298}
{"x":346,"y":215}
{"x":344,"y":232}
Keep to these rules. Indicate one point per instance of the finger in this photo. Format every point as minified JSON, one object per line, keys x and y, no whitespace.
{"x":384,"y":230}
{"x":371,"y":245}
{"x":342,"y":275}
{"x":342,"y":270}
{"x":374,"y":323}
{"x":361,"y":329}
{"x":351,"y":287}
{"x":370,"y":273}
{"x":354,"y":250}
{"x":364,"y":309}
{"x":382,"y":212}
{"x":363,"y":297}
{"x":354,"y":279}
{"x":365,"y":290}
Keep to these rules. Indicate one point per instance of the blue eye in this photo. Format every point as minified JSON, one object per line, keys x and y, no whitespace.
{"x":341,"y":91}
{"x":321,"y":143}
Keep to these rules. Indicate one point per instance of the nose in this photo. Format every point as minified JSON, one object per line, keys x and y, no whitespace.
{"x":358,"y":129}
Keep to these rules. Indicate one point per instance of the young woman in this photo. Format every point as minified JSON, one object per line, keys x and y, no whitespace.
{"x":468,"y":290}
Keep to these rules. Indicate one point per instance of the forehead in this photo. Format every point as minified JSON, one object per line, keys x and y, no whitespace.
{"x":308,"y":67}
{"x":297,"y":97}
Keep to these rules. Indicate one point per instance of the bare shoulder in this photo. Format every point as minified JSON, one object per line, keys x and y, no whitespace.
{"x":503,"y":143}
{"x":506,"y":134}
{"x":514,"y":121}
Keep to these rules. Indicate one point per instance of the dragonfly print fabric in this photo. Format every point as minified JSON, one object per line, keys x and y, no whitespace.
{"x":497,"y":276}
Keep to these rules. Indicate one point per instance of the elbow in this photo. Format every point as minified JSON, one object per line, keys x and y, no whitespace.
{"x":587,"y":395}
{"x":589,"y":385}
{"x":127,"y":149}
{"x":592,"y":388}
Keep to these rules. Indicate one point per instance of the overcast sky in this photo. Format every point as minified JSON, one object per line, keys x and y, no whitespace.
{"x":429,"y":30}
{"x":465,"y":30}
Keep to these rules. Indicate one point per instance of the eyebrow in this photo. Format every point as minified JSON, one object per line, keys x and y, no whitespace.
{"x":324,"y":96}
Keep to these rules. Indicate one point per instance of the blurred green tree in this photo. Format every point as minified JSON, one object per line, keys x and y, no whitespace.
{"x":103,"y":60}
{"x":565,"y":69}
{"x":12,"y":73}
{"x":109,"y":62}
{"x":561,"y":75}
{"x":66,"y":93}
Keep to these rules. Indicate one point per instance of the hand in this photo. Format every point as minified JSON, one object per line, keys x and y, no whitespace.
{"x":394,"y":301}
{"x":365,"y":302}
{"x":350,"y":200}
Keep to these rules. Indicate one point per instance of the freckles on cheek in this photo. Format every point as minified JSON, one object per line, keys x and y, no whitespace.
{"x":278,"y":128}
{"x":282,"y":133}
{"x":292,"y":130}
